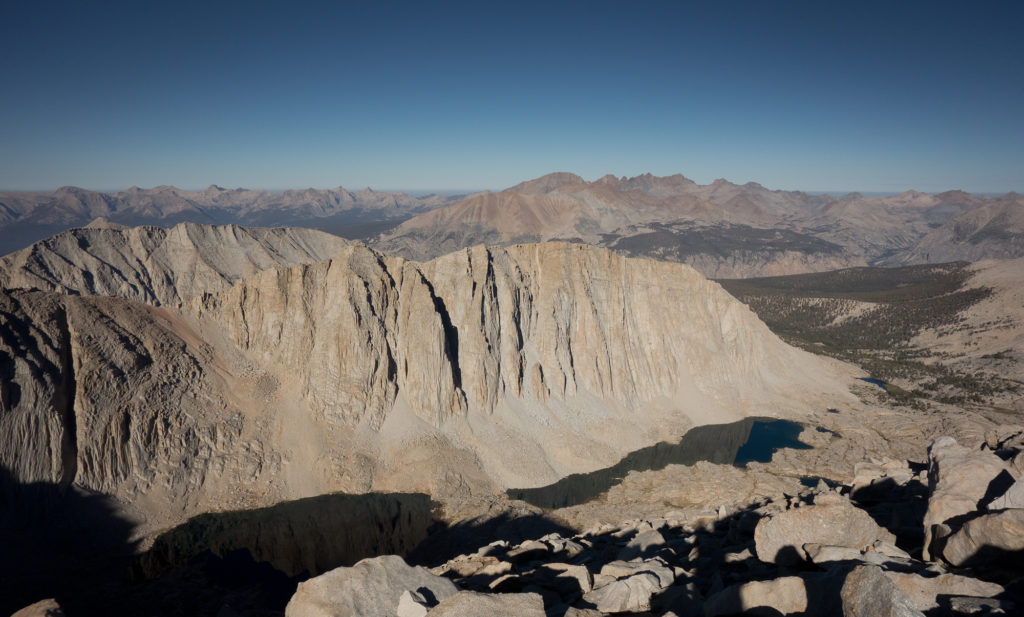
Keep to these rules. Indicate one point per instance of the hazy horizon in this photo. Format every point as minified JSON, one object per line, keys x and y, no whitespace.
{"x":869,"y":97}
{"x":419,"y":192}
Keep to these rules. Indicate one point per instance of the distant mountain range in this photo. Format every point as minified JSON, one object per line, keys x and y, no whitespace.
{"x":27,"y":217}
{"x":723,"y":229}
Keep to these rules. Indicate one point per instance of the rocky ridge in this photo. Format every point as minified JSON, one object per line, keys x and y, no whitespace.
{"x":993,"y":230}
{"x":756,"y":231}
{"x":28,"y":216}
{"x":159,"y":266}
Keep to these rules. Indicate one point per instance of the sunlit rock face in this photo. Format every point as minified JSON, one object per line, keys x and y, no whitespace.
{"x":477,"y":371}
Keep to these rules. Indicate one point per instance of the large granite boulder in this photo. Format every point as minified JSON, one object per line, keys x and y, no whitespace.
{"x":473,"y":604}
{"x":779,"y":538}
{"x":867,"y":592}
{"x":990,"y":537}
{"x":42,"y":608}
{"x":371,"y":588}
{"x":1012,"y":498}
{"x":924,"y":591}
{"x":783,"y":595}
{"x":958,"y":481}
{"x":626,"y":595}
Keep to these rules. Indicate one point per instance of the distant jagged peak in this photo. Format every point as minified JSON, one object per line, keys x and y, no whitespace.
{"x":913,"y":198}
{"x":548,"y":183}
{"x":955,"y":194}
{"x":649,"y":183}
{"x":679,"y":178}
{"x":102,"y":222}
{"x":71,"y":190}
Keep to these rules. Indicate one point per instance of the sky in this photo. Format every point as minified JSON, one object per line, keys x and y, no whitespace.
{"x":823,"y":96}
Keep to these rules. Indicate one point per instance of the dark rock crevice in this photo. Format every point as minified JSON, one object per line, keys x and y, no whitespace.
{"x":451,"y":334}
{"x":64,"y":403}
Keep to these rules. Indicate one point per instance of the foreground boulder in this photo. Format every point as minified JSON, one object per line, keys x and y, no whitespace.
{"x":783,"y":595}
{"x":780,"y":538}
{"x":958,"y":480}
{"x":988,"y":538}
{"x":924,"y":591}
{"x":473,"y":604}
{"x":867,"y":592}
{"x":1012,"y":498}
{"x":43,"y":608}
{"x":626,"y":595}
{"x":371,"y":588}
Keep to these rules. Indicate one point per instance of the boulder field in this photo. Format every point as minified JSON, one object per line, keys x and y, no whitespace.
{"x":830,"y":550}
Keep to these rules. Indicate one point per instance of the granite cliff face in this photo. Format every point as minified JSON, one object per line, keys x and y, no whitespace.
{"x":480,"y":370}
{"x":541,"y":360}
{"x":121,"y":398}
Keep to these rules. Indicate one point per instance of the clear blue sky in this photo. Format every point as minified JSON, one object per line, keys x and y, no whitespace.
{"x":873,"y":96}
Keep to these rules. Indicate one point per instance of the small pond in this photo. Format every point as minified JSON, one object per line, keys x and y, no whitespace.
{"x":876,"y":382}
{"x":738,"y":443}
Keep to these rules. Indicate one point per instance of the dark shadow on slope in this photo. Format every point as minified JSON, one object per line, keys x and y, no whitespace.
{"x":59,"y":543}
{"x":75,"y":547}
{"x":899,"y":508}
{"x":447,"y":541}
{"x":996,"y":488}
{"x":251,"y":561}
{"x":304,"y":537}
{"x":751,"y":439}
{"x":989,"y":557}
